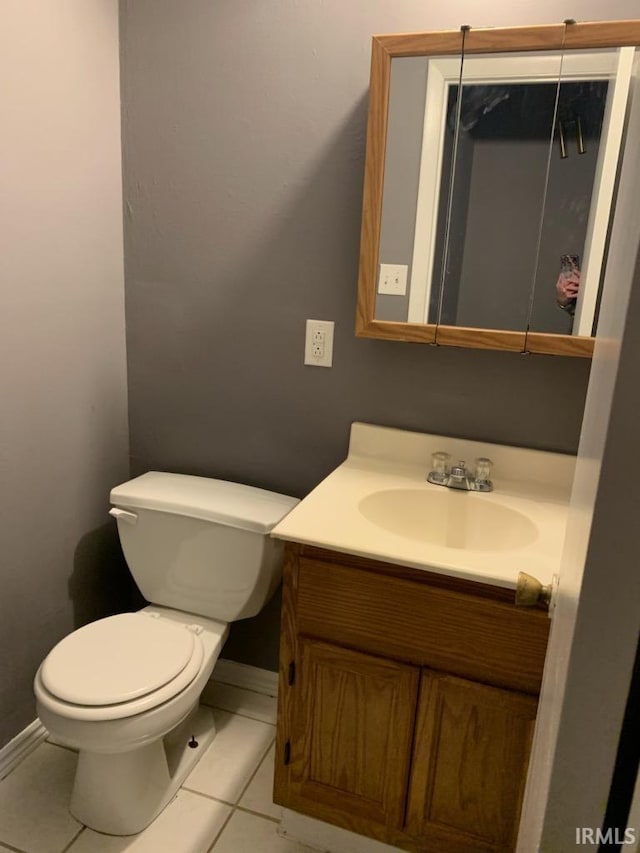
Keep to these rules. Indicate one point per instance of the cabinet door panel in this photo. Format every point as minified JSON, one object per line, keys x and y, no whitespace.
{"x":470,"y":761}
{"x":351,"y":748}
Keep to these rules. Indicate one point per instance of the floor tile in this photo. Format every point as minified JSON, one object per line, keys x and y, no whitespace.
{"x":259,"y":795}
{"x":324,"y":836}
{"x":239,"y":701}
{"x":34,"y":801}
{"x":189,"y":824}
{"x":247,"y":833}
{"x":230,"y":761}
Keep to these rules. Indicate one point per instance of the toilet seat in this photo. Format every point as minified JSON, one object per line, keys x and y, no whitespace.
{"x":119,"y":666}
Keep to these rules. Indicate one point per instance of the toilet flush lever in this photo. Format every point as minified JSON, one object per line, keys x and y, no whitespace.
{"x":123,"y":515}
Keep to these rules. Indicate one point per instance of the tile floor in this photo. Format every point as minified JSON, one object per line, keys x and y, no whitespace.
{"x":224,"y":806}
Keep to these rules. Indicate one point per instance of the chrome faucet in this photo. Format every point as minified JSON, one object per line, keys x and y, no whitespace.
{"x":458,"y":476}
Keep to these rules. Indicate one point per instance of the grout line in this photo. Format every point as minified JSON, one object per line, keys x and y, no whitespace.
{"x":242,"y":791}
{"x":247,"y":689}
{"x":221,"y":830}
{"x":11,"y":847}
{"x":259,"y":814}
{"x":240,"y":714}
{"x":212,"y":703}
{"x":255,"y":772}
{"x":233,"y":811}
{"x":206,"y":796}
{"x":233,"y":806}
{"x":74,"y":839}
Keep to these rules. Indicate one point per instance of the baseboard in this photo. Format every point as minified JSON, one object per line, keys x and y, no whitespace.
{"x":22,"y":744}
{"x":248,"y":677}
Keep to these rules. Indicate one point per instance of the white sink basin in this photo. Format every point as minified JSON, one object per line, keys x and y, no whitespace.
{"x":449,"y":518}
{"x":377,"y":504}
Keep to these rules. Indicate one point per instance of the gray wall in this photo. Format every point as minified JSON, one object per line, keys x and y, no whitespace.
{"x":244,"y":135}
{"x":500,"y":241}
{"x":63,"y":421}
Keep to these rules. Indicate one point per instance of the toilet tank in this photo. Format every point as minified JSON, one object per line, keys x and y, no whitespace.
{"x":200,"y":545}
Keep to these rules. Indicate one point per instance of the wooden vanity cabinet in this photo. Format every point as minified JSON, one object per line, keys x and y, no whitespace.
{"x":406,"y":702}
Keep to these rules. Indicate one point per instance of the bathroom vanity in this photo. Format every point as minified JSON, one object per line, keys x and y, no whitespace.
{"x":409,"y":679}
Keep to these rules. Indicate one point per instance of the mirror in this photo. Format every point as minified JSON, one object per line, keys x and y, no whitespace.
{"x":490,"y":184}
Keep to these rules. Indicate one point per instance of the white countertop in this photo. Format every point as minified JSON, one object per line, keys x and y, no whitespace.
{"x":528,"y":483}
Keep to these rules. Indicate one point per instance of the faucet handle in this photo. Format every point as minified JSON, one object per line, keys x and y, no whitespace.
{"x":439,"y":466}
{"x":483,"y":469}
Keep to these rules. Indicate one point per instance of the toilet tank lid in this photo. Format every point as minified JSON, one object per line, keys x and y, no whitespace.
{"x":220,"y":501}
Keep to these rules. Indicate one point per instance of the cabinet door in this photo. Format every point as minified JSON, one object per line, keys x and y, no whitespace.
{"x":469,"y":767}
{"x":351,"y":745}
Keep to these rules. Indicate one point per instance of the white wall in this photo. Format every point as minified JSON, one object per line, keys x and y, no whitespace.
{"x":594,"y":633}
{"x":63,"y":421}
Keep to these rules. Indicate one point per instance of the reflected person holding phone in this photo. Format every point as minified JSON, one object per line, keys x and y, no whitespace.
{"x":568,"y":283}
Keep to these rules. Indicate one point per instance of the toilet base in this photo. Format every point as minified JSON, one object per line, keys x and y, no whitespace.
{"x":121,"y":793}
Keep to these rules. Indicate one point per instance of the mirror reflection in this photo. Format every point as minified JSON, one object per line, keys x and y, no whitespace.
{"x":583,"y":161}
{"x":503,"y":132}
{"x":496,"y":202}
{"x":419,"y":147}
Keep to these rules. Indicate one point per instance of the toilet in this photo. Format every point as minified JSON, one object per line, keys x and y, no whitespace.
{"x":124,"y":691}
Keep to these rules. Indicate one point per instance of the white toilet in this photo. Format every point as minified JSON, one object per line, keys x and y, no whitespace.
{"x":124,"y":690}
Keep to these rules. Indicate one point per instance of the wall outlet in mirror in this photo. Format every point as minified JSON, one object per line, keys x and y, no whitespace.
{"x":393,"y":279}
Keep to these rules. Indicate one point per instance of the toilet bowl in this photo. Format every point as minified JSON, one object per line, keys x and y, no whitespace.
{"x":124,"y":690}
{"x":118,"y":728}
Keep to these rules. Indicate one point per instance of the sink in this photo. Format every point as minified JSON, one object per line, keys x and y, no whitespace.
{"x":449,"y":518}
{"x":378,"y":505}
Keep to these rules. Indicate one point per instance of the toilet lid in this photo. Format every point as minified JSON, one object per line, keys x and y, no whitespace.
{"x":117,"y":659}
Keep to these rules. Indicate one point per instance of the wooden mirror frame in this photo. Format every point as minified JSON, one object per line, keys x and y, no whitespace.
{"x":572,"y":36}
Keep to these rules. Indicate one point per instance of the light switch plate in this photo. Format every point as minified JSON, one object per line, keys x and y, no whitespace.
{"x":393,"y":279}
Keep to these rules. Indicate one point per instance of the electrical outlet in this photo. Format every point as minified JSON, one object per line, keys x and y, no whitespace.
{"x":318,"y":345}
{"x":393,"y":279}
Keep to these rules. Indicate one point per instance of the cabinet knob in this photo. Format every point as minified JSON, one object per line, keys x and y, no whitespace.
{"x":529,"y":591}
